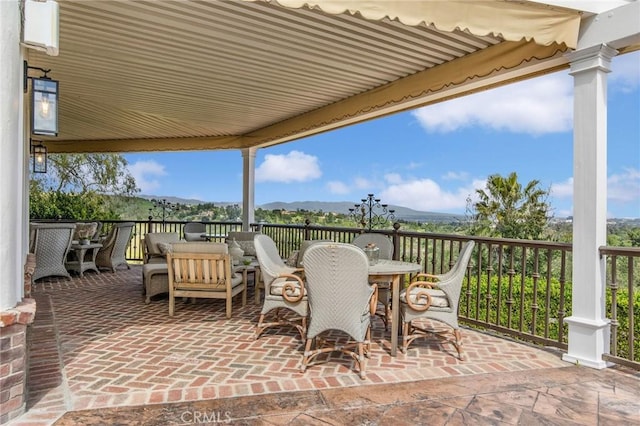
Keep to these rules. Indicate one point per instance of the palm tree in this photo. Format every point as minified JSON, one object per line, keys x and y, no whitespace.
{"x":507,"y":210}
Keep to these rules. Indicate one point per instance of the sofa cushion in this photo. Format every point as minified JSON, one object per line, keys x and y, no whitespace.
{"x":153,"y":239}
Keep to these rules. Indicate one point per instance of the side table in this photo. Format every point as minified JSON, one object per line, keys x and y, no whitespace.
{"x":254,"y":267}
{"x":83,"y":258}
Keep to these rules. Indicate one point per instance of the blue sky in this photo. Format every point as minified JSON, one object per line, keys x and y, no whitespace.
{"x":431,"y":158}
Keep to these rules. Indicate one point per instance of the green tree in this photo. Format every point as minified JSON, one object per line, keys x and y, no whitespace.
{"x":506,"y":209}
{"x":81,"y":186}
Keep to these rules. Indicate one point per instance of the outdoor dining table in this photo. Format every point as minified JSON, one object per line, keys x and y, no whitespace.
{"x":395,"y":269}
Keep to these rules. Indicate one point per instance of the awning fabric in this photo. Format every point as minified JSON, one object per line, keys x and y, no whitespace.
{"x":514,"y":21}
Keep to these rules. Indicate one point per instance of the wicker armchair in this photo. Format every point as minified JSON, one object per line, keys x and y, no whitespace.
{"x":340,"y":298}
{"x":114,"y":247}
{"x":50,"y":242}
{"x":283,"y":290}
{"x":194,"y":231}
{"x":435,"y":297}
{"x":385,"y":245}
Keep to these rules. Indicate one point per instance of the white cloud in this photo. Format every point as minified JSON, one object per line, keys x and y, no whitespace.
{"x":625,"y":187}
{"x":538,"y":106}
{"x":427,"y":195}
{"x":456,"y":176}
{"x":337,"y":187}
{"x":145,"y":173}
{"x":393,"y":178}
{"x":625,"y":75}
{"x":295,"y":166}
{"x":562,"y":189}
{"x":362,"y":183}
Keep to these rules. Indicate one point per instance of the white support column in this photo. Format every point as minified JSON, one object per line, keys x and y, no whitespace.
{"x":589,"y":330}
{"x":12,"y":160}
{"x":248,"y":187}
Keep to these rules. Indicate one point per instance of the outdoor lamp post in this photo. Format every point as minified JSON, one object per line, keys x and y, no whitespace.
{"x":370,"y":213}
{"x":165,"y":207}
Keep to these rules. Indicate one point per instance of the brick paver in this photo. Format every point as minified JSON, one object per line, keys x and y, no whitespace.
{"x":96,"y":344}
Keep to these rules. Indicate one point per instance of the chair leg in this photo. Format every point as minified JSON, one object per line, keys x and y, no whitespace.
{"x":172,"y":304}
{"x":458,"y":343}
{"x":228,"y":304}
{"x":361,"y":361}
{"x":259,"y":326}
{"x":406,"y":326}
{"x":306,"y":356}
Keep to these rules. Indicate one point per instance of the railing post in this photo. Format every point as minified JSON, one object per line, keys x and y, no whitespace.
{"x":396,"y":241}
{"x":307,"y":229}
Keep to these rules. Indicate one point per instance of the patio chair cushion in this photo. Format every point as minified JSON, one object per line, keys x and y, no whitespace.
{"x":438,"y":297}
{"x":277,"y":286}
{"x":154,"y":239}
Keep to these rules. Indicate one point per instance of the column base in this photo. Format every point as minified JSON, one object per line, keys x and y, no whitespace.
{"x":588,"y":340}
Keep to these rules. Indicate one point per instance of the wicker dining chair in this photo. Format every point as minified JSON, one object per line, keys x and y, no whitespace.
{"x":435,"y":297}
{"x":283,"y":289}
{"x":340,"y":298}
{"x":385,"y":245}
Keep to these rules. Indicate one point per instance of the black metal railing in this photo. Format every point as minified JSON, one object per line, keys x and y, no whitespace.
{"x":519,"y":288}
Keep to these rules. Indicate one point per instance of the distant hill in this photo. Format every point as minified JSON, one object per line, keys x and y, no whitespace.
{"x":402,"y":213}
{"x":343,"y":207}
{"x":188,"y":201}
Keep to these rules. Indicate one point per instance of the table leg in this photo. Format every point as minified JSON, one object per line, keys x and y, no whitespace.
{"x":244,"y":284}
{"x":395,"y":313}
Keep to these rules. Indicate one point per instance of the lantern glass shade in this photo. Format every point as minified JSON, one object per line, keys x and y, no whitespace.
{"x":44,"y":107}
{"x":39,"y":158}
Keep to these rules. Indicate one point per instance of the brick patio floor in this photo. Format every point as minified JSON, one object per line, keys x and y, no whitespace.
{"x":100,"y":355}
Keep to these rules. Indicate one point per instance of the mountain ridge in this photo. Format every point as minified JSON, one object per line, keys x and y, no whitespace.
{"x":341,"y":207}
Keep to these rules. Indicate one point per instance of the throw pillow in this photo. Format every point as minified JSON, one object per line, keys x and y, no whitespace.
{"x":164,"y":248}
{"x":292,"y":260}
{"x":248,"y":247}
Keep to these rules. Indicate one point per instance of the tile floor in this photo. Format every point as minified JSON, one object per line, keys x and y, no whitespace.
{"x":100,"y":355}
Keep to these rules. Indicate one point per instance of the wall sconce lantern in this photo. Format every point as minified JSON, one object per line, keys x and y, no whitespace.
{"x":44,"y":102}
{"x":39,"y":157}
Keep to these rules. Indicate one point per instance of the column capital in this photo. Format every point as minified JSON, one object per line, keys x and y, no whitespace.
{"x":249,"y":152}
{"x":592,"y":58}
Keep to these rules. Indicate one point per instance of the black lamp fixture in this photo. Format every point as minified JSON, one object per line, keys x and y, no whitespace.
{"x":166,"y":209}
{"x":371,"y":213}
{"x":38,"y":157}
{"x":44,"y":102}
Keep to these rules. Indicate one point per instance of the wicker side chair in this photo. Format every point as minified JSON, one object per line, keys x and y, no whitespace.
{"x":114,"y":247}
{"x":50,"y":244}
{"x":385,"y":245}
{"x":435,"y":297}
{"x":283,"y":289}
{"x":194,"y":231}
{"x":341,"y":299}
